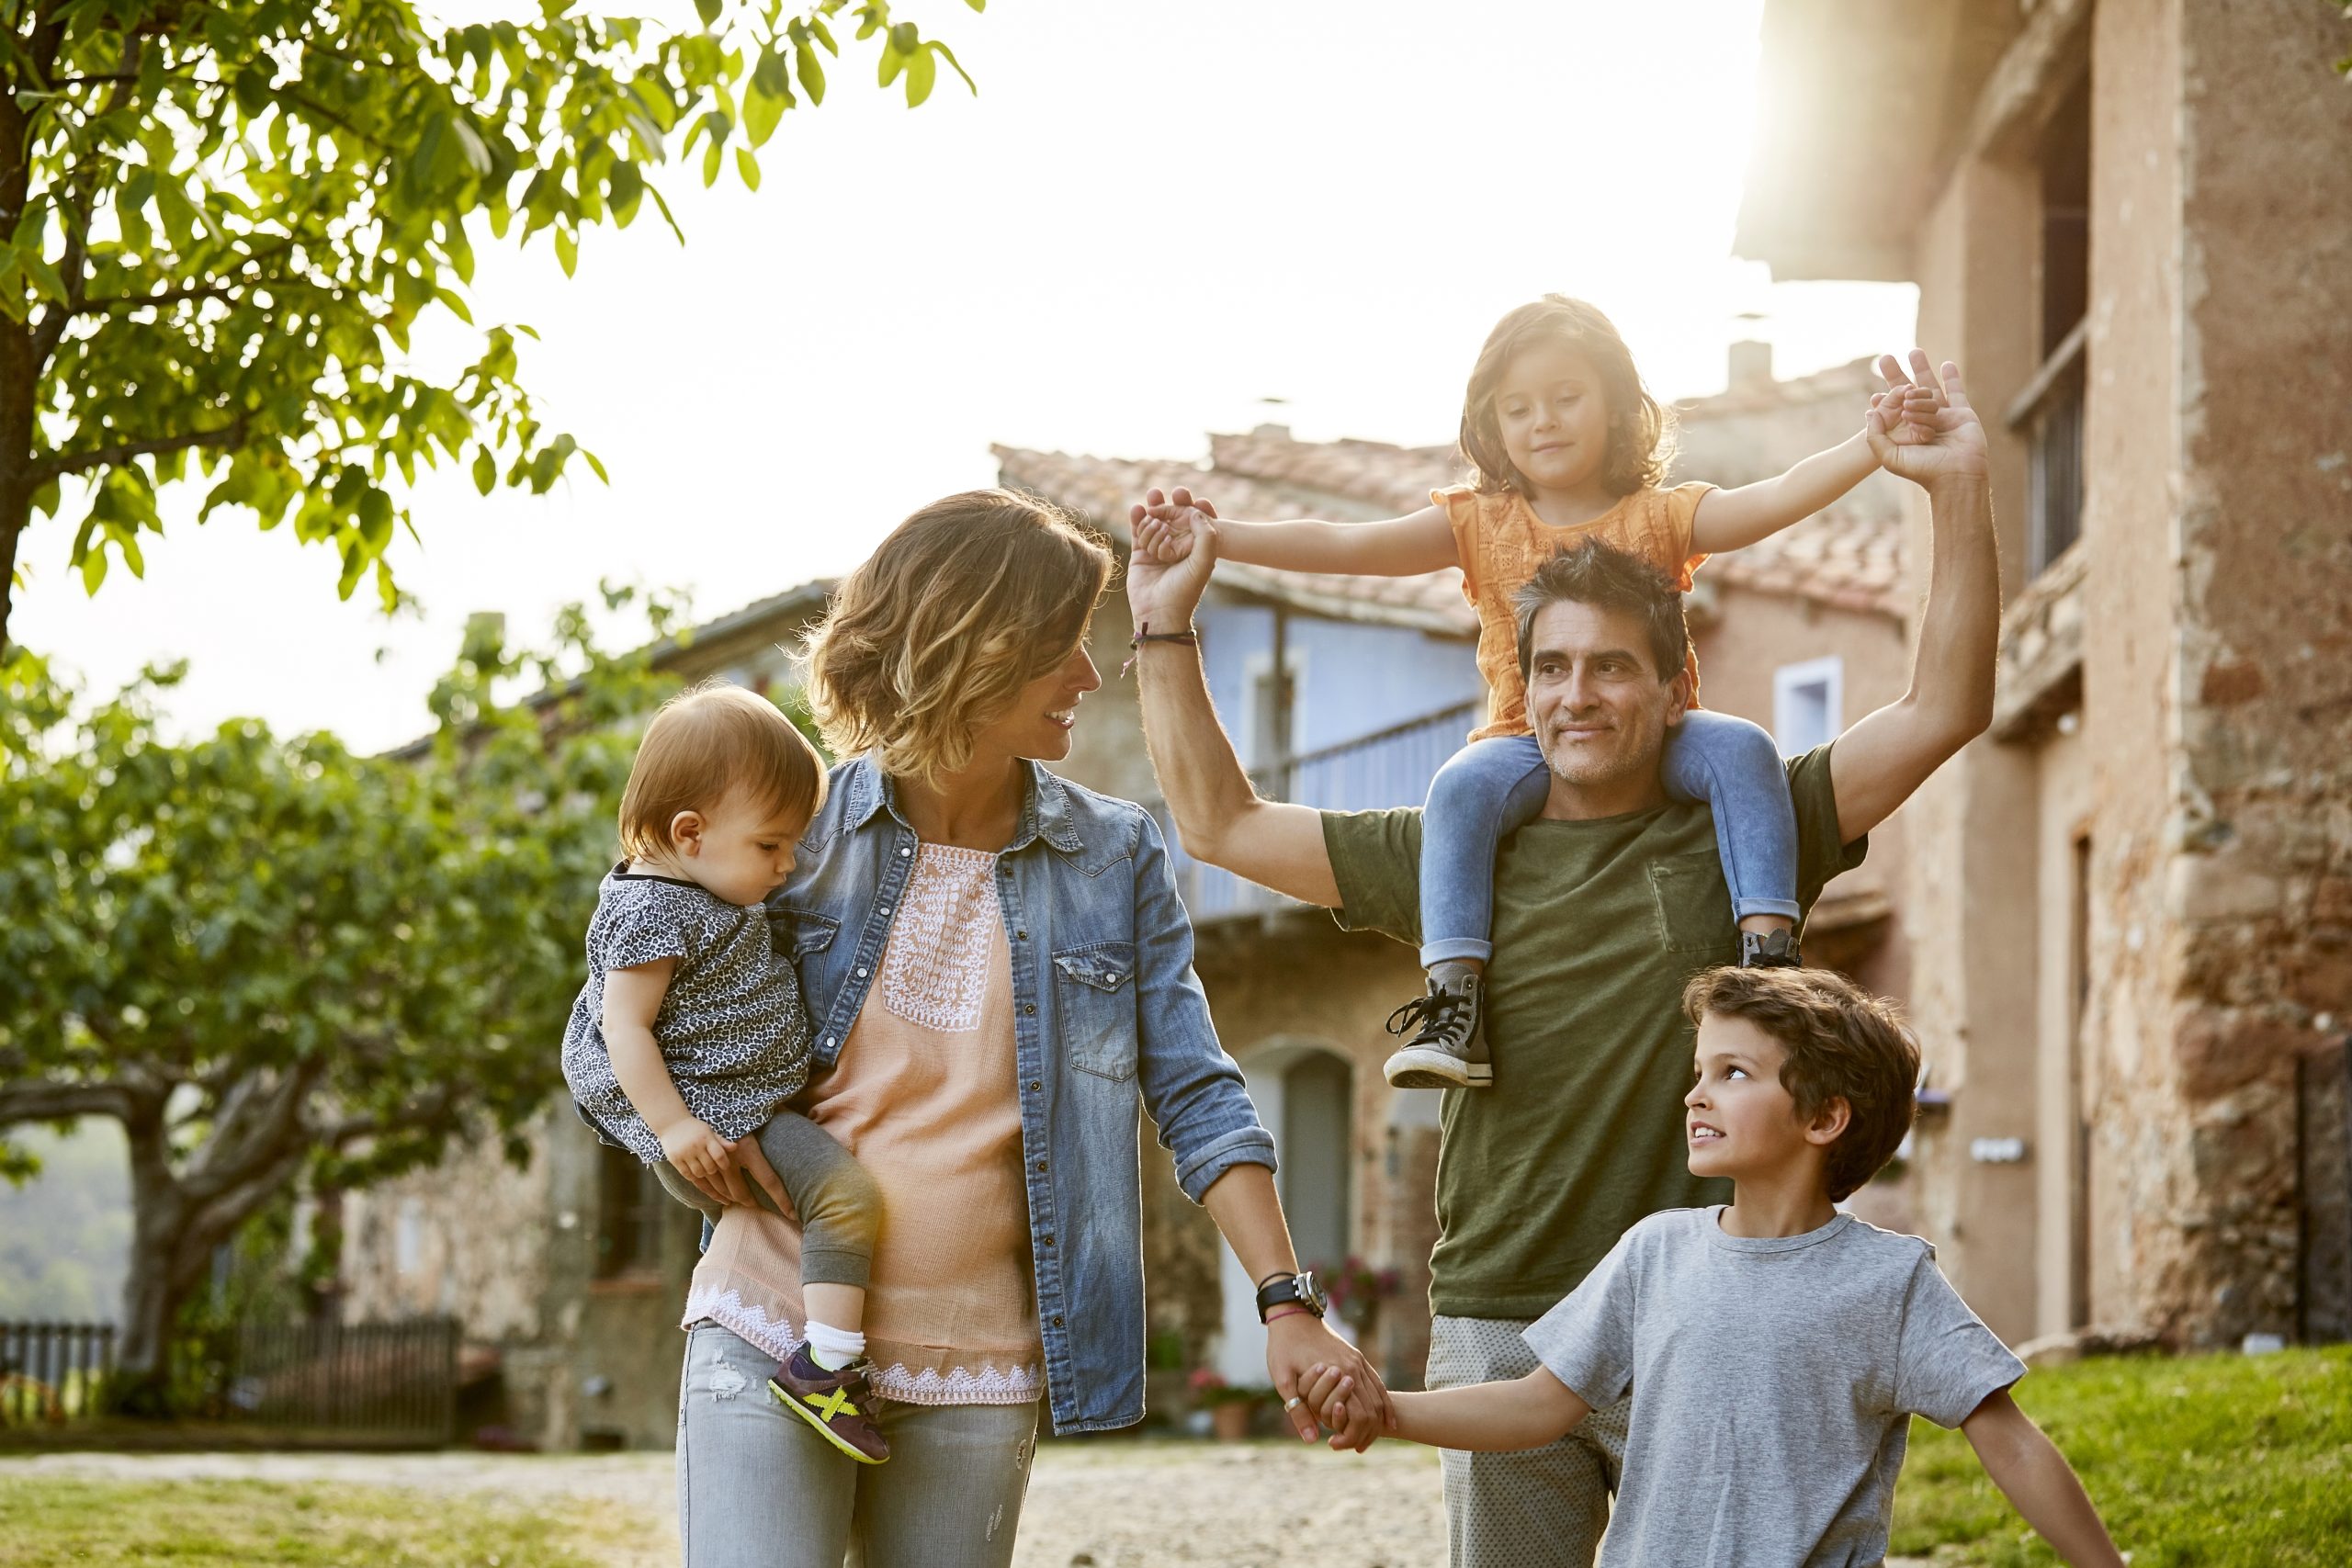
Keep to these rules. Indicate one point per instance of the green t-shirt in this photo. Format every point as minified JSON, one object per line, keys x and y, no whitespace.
{"x":1597,"y":927}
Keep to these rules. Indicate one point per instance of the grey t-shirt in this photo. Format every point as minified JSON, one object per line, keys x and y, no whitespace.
{"x":731,"y":1027}
{"x":1774,"y":1382}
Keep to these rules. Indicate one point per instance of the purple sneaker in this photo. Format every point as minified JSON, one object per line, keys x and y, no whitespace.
{"x":838,"y":1404}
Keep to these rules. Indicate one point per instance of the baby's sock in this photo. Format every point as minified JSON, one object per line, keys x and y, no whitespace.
{"x":833,"y":1348}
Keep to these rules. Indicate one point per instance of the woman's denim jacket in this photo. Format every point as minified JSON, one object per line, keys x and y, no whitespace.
{"x":1108,"y":1018}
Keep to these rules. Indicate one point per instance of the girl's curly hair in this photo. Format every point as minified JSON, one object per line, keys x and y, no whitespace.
{"x":1641,"y":430}
{"x":967,"y":602}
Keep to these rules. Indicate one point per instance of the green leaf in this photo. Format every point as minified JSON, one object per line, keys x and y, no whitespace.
{"x":922,"y":71}
{"x":251,"y":87}
{"x":948,"y":54}
{"x":566,"y":251}
{"x":748,"y":167}
{"x":811,"y":72}
{"x":485,"y":470}
{"x":709,"y":11}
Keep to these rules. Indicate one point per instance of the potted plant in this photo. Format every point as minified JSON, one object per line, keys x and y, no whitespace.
{"x":1230,"y":1406}
{"x":1357,"y":1289}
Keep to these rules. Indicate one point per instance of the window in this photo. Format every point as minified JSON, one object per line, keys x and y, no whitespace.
{"x":629,"y":1215}
{"x":1269,"y":717}
{"x":1808,"y":705}
{"x":408,"y":1237}
{"x":2049,"y":413}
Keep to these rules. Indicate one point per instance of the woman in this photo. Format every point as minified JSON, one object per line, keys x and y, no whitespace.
{"x":1000,"y":974}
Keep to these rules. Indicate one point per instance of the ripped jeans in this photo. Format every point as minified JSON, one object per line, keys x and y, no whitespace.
{"x":758,"y":1489}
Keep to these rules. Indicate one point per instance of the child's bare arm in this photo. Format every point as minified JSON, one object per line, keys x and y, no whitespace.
{"x":632,"y":999}
{"x":1727,"y":518}
{"x":1485,"y":1417}
{"x":1399,"y":547}
{"x":2036,"y":1478}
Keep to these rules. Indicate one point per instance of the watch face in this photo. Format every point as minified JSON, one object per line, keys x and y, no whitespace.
{"x":1310,"y":1291}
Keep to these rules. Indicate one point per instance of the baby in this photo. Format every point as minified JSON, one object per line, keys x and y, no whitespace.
{"x":690,"y":1034}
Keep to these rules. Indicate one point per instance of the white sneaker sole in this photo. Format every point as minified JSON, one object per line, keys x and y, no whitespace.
{"x":1426,"y":1066}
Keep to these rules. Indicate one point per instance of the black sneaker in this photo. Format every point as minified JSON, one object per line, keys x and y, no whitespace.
{"x":1773,"y":950}
{"x":1448,"y":1046}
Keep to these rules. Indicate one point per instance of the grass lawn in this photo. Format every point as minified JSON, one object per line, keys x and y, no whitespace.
{"x":2204,"y":1461}
{"x":254,"y":1524}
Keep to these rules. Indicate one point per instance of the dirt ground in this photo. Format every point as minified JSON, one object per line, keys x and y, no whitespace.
{"x":1095,"y":1505}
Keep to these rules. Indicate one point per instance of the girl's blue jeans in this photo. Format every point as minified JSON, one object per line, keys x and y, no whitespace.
{"x":1499,"y":785}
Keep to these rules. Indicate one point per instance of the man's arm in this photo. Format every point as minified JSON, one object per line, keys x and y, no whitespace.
{"x":1875,"y":765}
{"x":1219,"y":816}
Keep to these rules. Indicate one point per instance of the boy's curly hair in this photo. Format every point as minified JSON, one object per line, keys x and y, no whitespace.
{"x":1640,"y":430}
{"x":1842,"y":1043}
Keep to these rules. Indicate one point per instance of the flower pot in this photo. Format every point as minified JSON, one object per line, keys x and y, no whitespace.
{"x":1230,"y":1421}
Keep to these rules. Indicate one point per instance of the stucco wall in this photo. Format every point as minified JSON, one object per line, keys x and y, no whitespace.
{"x":2224,"y":779}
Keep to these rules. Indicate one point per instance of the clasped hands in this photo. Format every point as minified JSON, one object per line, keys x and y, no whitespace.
{"x":1352,"y":1403}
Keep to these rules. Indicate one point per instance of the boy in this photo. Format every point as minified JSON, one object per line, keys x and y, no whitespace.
{"x":1775,"y":1348}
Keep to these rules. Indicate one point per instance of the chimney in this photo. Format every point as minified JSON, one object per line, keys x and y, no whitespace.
{"x":1751,"y":365}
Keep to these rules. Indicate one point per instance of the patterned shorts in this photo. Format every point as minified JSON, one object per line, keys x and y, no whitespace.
{"x":1533,"y":1509}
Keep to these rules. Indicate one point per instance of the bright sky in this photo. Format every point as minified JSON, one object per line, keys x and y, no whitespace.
{"x":1152,"y":218}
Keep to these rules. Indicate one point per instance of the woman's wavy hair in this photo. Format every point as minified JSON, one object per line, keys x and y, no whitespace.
{"x":967,"y":602}
{"x":1640,"y":430}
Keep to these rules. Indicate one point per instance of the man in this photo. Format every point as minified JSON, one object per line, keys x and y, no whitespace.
{"x":1602,"y":908}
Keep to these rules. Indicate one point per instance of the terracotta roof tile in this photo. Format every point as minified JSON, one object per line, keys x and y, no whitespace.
{"x":1850,"y":555}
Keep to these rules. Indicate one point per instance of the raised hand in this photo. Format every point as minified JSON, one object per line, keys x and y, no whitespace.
{"x":1922,"y":427}
{"x":1165,"y":578}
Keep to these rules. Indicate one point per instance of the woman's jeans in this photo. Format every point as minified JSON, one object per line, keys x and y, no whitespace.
{"x":758,"y":1488}
{"x":1497,"y":786}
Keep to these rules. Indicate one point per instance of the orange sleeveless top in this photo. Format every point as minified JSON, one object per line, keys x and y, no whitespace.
{"x":1501,"y":542}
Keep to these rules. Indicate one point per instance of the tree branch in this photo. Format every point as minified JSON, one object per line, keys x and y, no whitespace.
{"x":253,"y":1128}
{"x":421,"y":1112}
{"x":63,"y":1102}
{"x":62,"y":463}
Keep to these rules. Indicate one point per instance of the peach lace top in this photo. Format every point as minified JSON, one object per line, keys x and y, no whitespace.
{"x":925,"y":1094}
{"x":1501,"y":542}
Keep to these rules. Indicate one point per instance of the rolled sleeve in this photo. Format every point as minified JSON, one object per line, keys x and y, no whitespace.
{"x":1376,"y":862}
{"x":1191,"y":1089}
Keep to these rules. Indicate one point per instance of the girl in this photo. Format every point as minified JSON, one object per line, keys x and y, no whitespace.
{"x":1564,"y":445}
{"x":690,"y":1034}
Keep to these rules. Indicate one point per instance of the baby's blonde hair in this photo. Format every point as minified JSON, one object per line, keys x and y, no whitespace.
{"x":710,"y":741}
{"x":967,"y":602}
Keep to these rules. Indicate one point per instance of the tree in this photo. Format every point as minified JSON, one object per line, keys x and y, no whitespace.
{"x":272,"y":960}
{"x":220,"y":220}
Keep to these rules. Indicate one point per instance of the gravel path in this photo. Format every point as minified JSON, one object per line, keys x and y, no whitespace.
{"x":1095,"y":1505}
{"x":1092,"y":1505}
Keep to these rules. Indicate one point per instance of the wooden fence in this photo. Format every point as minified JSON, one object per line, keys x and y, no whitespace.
{"x":379,"y":1383}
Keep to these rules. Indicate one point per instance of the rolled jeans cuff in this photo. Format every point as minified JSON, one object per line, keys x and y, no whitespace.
{"x":1788,"y":908}
{"x":1455,"y":947}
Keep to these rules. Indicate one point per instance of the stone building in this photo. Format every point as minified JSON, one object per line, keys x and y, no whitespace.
{"x":2128,"y":221}
{"x":1341,"y":693}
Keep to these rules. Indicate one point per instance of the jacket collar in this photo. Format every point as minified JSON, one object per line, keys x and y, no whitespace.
{"x":1045,"y":806}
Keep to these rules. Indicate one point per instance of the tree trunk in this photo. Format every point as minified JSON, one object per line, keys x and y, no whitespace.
{"x":150,"y":1296}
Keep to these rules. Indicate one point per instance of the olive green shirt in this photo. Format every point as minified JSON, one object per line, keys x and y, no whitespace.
{"x":1598,"y":925}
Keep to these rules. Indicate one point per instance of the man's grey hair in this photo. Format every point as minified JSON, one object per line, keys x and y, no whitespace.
{"x":1597,"y":573}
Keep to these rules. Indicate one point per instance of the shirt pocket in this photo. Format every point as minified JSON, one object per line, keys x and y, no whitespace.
{"x":1693,"y":906}
{"x":811,"y":934}
{"x":1095,"y":994}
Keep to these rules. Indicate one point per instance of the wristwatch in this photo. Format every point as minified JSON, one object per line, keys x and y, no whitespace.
{"x":1301,"y":1288}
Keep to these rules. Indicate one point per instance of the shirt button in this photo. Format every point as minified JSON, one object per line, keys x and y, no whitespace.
{"x":861,"y":972}
{"x":1029,"y":1007}
{"x":1058,"y":1320}
{"x":1035,"y":1086}
{"x":1049,"y":1238}
{"x":1041,"y":1165}
{"x":903,"y":850}
{"x":1020,"y":936}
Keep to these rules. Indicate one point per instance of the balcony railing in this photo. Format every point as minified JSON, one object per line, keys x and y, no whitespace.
{"x":1387,"y":767}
